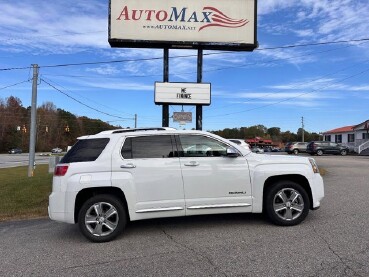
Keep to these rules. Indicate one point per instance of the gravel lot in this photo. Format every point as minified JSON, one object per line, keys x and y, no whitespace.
{"x":333,"y":241}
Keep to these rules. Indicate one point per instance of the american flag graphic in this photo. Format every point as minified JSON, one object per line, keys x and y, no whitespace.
{"x":221,"y":20}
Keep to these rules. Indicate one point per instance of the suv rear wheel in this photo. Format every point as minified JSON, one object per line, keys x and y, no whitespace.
{"x":287,"y":203}
{"x":295,"y":151}
{"x":319,"y":152}
{"x":343,"y":152}
{"x":102,"y":218}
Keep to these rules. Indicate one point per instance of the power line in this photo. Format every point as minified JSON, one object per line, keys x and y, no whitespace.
{"x":297,"y":85}
{"x":293,"y":97}
{"x":92,"y":108}
{"x":209,"y":70}
{"x":13,"y":85}
{"x":313,"y":44}
{"x":187,"y":56}
{"x":92,"y":100}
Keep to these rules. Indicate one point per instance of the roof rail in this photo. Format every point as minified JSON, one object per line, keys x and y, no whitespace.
{"x":129,"y":130}
{"x":142,"y":129}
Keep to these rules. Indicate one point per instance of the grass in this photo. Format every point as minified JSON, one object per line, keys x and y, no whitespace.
{"x":22,"y":196}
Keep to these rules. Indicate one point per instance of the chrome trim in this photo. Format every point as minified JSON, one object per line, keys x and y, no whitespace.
{"x":219,"y":206}
{"x":160,"y":210}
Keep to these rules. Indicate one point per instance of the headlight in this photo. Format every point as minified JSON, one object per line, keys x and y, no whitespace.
{"x":314,"y":165}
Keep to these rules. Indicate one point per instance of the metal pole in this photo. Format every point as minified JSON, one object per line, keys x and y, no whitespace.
{"x":135,"y":120}
{"x":32,"y":134}
{"x":165,"y":114}
{"x":302,"y":125}
{"x":199,"y":80}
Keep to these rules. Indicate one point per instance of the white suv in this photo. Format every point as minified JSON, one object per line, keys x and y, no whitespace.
{"x":117,"y":176}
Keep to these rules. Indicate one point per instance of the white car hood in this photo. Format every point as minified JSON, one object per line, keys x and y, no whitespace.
{"x":278,"y":159}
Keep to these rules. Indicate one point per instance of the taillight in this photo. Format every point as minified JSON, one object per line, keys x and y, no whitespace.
{"x":60,"y":170}
{"x":315,"y":146}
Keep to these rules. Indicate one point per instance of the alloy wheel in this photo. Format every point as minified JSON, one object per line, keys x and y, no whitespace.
{"x":288,"y":204}
{"x":101,"y":219}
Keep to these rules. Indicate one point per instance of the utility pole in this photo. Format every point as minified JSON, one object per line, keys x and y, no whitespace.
{"x":302,"y":125}
{"x":32,"y":133}
{"x":135,"y":120}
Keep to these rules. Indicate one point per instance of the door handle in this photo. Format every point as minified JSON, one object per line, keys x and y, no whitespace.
{"x":130,"y":165}
{"x":192,"y":163}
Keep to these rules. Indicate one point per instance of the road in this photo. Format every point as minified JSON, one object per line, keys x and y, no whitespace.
{"x":13,"y":160}
{"x":332,"y":241}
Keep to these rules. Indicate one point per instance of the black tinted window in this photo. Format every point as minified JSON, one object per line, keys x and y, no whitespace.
{"x":85,"y":150}
{"x":148,"y":147}
{"x":235,"y":141}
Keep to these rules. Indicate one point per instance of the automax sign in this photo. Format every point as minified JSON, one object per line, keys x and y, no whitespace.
{"x":182,"y":93}
{"x":208,"y":24}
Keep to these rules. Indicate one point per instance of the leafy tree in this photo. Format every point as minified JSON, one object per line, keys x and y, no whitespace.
{"x":55,"y":127}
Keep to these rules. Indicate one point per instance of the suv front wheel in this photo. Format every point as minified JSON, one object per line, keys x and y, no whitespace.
{"x":287,"y":203}
{"x":102,"y":218}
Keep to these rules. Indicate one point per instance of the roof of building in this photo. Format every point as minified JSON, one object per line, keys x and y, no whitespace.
{"x":365,"y":123}
{"x":344,"y":129}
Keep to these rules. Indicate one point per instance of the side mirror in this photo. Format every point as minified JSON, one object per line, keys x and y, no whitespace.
{"x":232,"y":152}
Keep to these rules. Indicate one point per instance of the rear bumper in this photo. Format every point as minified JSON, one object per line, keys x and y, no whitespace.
{"x":61,"y":206}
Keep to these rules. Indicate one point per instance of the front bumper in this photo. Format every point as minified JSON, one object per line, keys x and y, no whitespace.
{"x":317,"y":190}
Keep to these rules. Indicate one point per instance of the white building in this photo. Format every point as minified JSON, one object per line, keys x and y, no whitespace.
{"x":356,"y":137}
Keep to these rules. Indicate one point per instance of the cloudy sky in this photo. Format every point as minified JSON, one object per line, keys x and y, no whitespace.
{"x":322,"y":79}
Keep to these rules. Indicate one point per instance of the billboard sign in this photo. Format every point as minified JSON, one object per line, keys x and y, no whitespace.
{"x":182,"y":93}
{"x":207,"y":24}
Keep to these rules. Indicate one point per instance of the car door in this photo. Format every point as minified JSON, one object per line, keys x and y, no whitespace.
{"x":213,"y":181}
{"x":332,"y":149}
{"x":150,"y":170}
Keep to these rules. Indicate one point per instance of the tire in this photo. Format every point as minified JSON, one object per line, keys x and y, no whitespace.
{"x":295,"y":151}
{"x":343,"y":152}
{"x":286,"y":203}
{"x":319,"y":152}
{"x":102,"y":218}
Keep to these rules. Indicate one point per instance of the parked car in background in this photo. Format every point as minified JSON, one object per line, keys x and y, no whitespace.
{"x":15,"y":151}
{"x":240,"y":142}
{"x":296,"y":147}
{"x":116,"y":176}
{"x":257,"y":150}
{"x":326,"y":147}
{"x":56,"y":150}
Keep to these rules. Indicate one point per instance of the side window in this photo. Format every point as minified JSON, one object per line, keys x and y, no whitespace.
{"x":200,"y":146}
{"x":148,"y":147}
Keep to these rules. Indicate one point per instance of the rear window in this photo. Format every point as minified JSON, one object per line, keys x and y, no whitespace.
{"x":85,"y":150}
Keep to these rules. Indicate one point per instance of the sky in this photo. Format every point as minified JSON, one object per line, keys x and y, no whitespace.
{"x":323,"y":80}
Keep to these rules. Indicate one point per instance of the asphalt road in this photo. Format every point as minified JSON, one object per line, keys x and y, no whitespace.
{"x":13,"y":160}
{"x":332,"y":241}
